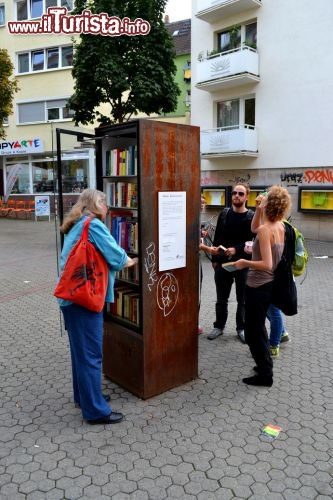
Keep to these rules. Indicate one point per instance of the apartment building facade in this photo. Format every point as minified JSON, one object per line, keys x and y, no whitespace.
{"x":262,"y":74}
{"x":43,"y":64}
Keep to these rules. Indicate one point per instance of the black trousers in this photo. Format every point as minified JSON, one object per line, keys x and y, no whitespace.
{"x":257,"y":301}
{"x":223,"y":282}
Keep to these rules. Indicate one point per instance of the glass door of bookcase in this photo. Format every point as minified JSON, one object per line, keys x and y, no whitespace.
{"x":120,"y":184}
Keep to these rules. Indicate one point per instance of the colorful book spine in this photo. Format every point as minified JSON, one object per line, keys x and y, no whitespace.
{"x":120,"y":161}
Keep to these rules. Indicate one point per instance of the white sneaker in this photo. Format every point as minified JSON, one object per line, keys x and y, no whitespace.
{"x":216,"y":332}
{"x":241,"y":336}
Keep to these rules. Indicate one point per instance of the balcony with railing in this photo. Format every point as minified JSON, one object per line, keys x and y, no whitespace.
{"x":237,"y":140}
{"x":228,"y":69}
{"x":213,"y":10}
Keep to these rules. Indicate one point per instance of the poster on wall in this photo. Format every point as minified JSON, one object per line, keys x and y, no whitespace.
{"x":42,"y":206}
{"x":171,"y":229}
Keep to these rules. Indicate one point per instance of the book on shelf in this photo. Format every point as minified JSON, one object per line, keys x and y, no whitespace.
{"x":129,"y":274}
{"x":121,"y":194}
{"x":124,"y":229}
{"x":121,"y":161}
{"x":126,"y":304}
{"x":120,"y":299}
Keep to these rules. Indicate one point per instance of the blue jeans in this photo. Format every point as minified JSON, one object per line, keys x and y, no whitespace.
{"x":277,"y":325}
{"x":85,"y":332}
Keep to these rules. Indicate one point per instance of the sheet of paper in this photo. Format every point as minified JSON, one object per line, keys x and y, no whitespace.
{"x":171,"y":230}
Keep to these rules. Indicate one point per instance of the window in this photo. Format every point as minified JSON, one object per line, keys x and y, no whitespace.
{"x":234,"y":37}
{"x":66,"y":56}
{"x":2,"y":15}
{"x":31,"y":9}
{"x":23,"y":63}
{"x":188,"y":98}
{"x":36,"y":8}
{"x":45,"y":59}
{"x":228,"y":113}
{"x":236,"y":112}
{"x":44,"y":111}
{"x":250,"y":112}
{"x":52,"y":58}
{"x":187,"y":72}
{"x":229,"y":39}
{"x":37,"y":60}
{"x":251,"y":35}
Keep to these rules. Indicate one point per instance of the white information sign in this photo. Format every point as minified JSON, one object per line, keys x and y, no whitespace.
{"x":42,"y":206}
{"x":171,"y":230}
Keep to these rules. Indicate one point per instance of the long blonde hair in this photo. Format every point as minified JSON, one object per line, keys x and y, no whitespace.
{"x":90,"y":202}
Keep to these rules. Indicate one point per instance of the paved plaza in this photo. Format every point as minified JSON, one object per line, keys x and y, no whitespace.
{"x":202,"y":440}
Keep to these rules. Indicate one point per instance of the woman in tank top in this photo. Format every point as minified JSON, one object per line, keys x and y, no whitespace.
{"x":266,"y":254}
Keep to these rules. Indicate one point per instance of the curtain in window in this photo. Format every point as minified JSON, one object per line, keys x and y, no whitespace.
{"x":228,"y":113}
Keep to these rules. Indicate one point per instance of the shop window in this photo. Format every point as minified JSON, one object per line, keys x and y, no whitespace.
{"x":42,"y":177}
{"x":74,"y":176}
{"x":21,"y":184}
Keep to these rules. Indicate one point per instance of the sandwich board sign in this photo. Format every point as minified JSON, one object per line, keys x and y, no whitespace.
{"x":42,"y":207}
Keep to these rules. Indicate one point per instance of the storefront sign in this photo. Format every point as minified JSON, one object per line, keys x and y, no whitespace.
{"x":21,"y":146}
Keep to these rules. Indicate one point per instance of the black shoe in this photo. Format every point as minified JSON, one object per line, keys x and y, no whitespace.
{"x":107,"y":398}
{"x":259,"y":380}
{"x":113,"y":418}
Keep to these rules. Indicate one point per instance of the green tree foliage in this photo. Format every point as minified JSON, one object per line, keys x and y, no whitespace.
{"x":8,"y":87}
{"x":130,"y":73}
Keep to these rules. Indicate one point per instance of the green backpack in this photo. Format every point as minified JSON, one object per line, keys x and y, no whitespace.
{"x":301,"y":254}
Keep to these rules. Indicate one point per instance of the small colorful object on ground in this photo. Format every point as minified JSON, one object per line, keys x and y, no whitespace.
{"x":271,"y":431}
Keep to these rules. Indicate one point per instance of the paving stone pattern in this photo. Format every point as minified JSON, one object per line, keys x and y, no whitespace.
{"x":200,"y":441}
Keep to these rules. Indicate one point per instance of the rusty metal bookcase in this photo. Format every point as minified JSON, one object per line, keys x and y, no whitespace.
{"x":151,"y":340}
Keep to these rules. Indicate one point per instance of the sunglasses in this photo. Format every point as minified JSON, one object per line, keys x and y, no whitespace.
{"x":240,"y":193}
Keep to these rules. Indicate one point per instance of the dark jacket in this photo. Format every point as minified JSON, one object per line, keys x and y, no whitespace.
{"x":233,"y":229}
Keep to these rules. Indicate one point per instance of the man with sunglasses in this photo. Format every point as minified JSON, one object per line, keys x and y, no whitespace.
{"x":233,"y":229}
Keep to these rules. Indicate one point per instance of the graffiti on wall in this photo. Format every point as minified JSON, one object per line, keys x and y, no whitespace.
{"x":238,"y":178}
{"x":321,"y":176}
{"x":292,"y":179}
{"x":310,"y":176}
